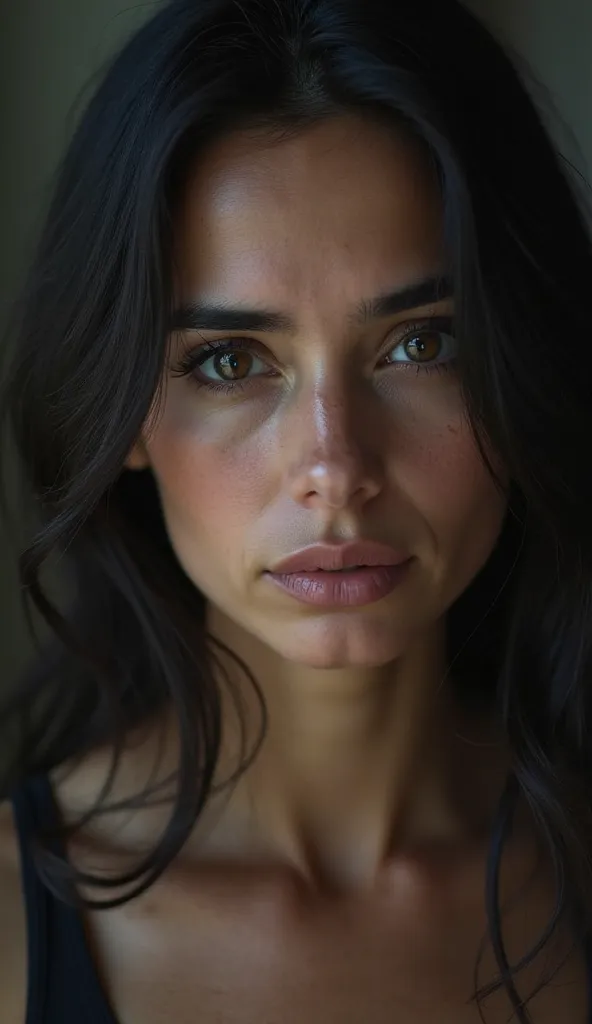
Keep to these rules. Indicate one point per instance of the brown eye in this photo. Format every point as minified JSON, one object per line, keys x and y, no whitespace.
{"x":230,"y":364}
{"x":429,"y":345}
{"x":233,"y":365}
{"x":424,"y":346}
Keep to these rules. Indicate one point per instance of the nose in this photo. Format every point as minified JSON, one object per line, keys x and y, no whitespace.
{"x":333,"y":453}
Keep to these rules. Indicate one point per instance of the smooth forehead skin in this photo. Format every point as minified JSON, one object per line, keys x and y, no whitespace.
{"x":329,"y":448}
{"x":276,"y":221}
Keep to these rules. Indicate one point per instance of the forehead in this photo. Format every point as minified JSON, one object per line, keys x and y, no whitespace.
{"x":345,"y":208}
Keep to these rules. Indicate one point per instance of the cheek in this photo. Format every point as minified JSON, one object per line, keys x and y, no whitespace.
{"x":446,"y":467}
{"x":439,"y":474}
{"x":460,"y":504}
{"x":210,"y":488}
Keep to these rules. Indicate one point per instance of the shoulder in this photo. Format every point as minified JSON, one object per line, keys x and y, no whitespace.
{"x":13,"y":928}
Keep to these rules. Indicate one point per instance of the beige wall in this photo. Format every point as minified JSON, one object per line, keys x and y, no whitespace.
{"x":48,"y":49}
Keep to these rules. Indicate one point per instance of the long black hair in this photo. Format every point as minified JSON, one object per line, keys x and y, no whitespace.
{"x":125,"y":635}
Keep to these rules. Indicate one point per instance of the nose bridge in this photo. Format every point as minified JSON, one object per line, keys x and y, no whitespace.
{"x":330,"y":416}
{"x":327,"y":416}
{"x":329,"y":461}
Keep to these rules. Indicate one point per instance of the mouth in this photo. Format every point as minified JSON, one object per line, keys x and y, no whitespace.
{"x":340,"y":558}
{"x":341,"y":576}
{"x":346,"y":568}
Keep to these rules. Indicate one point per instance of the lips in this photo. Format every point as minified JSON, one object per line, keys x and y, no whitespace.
{"x":338,"y":557}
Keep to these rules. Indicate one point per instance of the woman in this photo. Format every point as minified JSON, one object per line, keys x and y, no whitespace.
{"x":307,"y":738}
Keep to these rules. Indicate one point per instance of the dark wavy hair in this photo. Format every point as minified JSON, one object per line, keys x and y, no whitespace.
{"x":125,"y":635}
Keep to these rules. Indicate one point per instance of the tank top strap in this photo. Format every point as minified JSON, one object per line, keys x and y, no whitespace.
{"x":588,"y":954}
{"x":63,"y":986}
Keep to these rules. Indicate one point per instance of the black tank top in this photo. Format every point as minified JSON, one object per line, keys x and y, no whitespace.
{"x":63,"y":985}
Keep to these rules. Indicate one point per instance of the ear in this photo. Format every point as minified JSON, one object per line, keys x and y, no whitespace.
{"x":138,"y":457}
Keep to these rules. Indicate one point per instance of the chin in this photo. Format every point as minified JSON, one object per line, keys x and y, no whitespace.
{"x":334,"y":660}
{"x":341,"y":644}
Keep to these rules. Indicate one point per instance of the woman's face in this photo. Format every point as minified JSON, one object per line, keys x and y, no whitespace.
{"x":335,"y":420}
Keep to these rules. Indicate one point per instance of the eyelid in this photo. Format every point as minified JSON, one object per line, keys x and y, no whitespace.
{"x":202,"y":351}
{"x":198,"y":353}
{"x":439,"y":322}
{"x":214,"y":345}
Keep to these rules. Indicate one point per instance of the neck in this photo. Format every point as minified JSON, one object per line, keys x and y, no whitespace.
{"x":361,"y":772}
{"x":360,"y":765}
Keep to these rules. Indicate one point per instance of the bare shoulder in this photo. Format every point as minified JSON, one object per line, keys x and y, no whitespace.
{"x":13,"y":930}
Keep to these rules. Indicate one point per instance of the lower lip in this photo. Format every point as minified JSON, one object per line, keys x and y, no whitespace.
{"x":352,"y":589}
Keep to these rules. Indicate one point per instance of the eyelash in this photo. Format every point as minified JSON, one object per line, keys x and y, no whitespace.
{"x":195,"y":357}
{"x":199,"y":355}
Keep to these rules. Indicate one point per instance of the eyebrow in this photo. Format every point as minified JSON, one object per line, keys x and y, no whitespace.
{"x":220,"y":316}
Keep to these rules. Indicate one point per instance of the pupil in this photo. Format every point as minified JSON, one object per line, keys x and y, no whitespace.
{"x":233,"y":365}
{"x":424,"y":347}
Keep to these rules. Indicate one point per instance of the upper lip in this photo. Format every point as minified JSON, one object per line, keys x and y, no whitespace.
{"x":330,"y":557}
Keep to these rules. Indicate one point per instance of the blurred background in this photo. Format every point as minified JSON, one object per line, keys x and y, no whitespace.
{"x":50,"y":54}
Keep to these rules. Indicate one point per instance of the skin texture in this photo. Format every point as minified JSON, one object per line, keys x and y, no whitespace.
{"x":329,"y":448}
{"x":342,"y":878}
{"x":333,"y":433}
